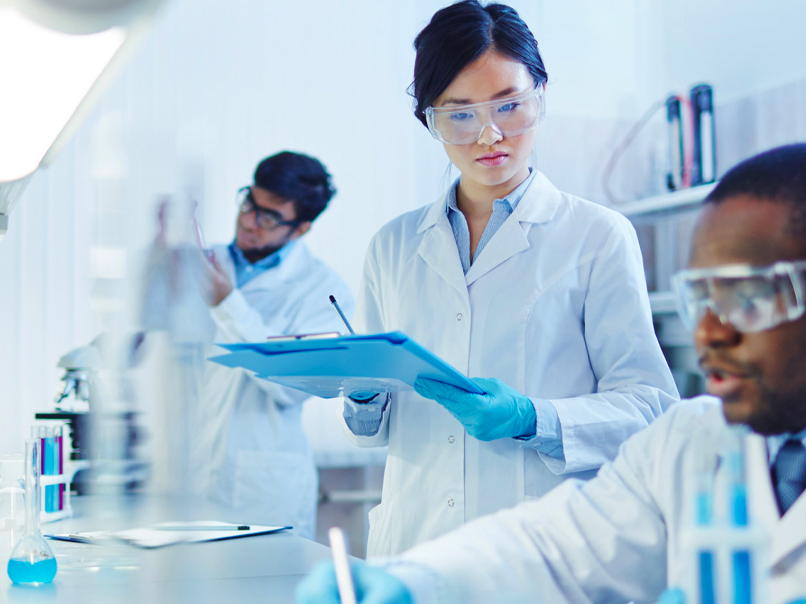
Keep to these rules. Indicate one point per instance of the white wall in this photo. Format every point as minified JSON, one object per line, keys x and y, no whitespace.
{"x":220,"y":84}
{"x":740,"y":48}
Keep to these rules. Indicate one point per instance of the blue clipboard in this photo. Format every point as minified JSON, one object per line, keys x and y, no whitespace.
{"x":345,"y":365}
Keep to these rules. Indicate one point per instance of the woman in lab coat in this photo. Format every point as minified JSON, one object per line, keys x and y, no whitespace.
{"x":505,"y":277}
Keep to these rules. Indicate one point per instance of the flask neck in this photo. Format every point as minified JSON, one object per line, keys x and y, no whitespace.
{"x":32,"y":490}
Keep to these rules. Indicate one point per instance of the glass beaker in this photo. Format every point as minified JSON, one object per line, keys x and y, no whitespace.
{"x":32,"y":560}
{"x":12,"y":504}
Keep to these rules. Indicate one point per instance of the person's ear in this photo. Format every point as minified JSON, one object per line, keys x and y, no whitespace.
{"x":303,"y":228}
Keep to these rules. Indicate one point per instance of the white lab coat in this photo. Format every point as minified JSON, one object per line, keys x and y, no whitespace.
{"x":618,"y":537}
{"x":250,"y":450}
{"x":555,"y":306}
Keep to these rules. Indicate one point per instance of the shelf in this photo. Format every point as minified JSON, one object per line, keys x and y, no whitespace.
{"x":678,"y":200}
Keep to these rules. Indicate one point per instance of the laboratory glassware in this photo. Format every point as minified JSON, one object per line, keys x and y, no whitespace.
{"x":32,"y":560}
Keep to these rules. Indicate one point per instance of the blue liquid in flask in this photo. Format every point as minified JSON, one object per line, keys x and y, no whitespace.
{"x":32,"y":560}
{"x":22,"y":571}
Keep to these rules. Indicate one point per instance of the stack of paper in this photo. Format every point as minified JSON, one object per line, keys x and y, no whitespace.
{"x":169,"y":533}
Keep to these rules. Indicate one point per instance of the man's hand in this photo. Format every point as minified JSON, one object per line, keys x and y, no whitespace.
{"x":502,"y":412}
{"x":372,"y":586}
{"x":215,"y":281}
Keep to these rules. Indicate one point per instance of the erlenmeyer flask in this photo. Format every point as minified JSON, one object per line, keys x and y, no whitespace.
{"x":32,"y":560}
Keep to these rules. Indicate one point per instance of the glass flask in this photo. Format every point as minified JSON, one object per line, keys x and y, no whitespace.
{"x":32,"y":560}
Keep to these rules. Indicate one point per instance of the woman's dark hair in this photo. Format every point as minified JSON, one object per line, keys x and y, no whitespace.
{"x":461,"y":33}
{"x":777,"y":175}
{"x":298,"y":178}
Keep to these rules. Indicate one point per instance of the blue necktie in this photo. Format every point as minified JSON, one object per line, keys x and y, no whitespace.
{"x":789,"y":474}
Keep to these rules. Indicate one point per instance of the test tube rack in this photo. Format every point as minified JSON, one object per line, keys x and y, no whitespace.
{"x":68,"y":467}
{"x":65,"y":478}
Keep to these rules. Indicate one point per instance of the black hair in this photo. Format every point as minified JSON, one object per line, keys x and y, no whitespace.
{"x":461,"y":33}
{"x":298,"y":178}
{"x":777,"y":175}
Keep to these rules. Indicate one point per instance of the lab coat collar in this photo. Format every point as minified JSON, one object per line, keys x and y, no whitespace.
{"x":438,"y":247}
{"x":538,"y":204}
{"x":285,"y":272}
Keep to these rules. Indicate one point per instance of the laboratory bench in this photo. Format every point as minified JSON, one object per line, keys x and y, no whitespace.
{"x":261,"y":568}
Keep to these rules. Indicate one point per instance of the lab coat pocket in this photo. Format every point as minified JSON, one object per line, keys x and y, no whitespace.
{"x":280,"y":485}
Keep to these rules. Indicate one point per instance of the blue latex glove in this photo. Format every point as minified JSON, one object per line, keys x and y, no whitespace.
{"x":502,"y":412}
{"x":372,"y":586}
{"x":672,"y":595}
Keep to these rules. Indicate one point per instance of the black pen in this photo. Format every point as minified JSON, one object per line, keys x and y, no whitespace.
{"x":341,"y":314}
{"x":199,"y":527}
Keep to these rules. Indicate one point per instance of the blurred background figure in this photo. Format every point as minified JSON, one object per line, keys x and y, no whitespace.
{"x":245,"y":443}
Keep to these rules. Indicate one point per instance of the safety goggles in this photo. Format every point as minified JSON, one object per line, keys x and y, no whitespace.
{"x":265,"y":218}
{"x":464,"y":124}
{"x":750,"y":298}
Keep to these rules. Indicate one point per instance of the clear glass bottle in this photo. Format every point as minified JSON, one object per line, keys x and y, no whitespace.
{"x":32,"y":560}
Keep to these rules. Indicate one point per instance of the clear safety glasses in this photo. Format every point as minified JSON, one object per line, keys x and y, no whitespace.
{"x":464,"y":124}
{"x":750,"y":298}
{"x":266,"y":218}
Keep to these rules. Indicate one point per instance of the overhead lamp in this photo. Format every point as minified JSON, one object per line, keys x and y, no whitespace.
{"x":56,"y":57}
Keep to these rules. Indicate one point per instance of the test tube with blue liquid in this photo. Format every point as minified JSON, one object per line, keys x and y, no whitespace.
{"x":32,"y":560}
{"x":728,"y":551}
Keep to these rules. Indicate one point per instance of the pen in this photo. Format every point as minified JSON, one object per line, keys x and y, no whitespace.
{"x":81,"y":538}
{"x":344,"y":578}
{"x":211,"y":527}
{"x":341,"y":314}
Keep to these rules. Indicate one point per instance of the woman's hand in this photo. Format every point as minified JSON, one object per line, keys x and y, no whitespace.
{"x":502,"y":412}
{"x":372,"y":586}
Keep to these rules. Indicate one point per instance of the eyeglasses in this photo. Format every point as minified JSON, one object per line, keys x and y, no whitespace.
{"x":464,"y":124}
{"x":265,"y":218}
{"x":750,"y":298}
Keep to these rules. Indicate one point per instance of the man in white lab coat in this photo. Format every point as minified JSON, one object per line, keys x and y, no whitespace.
{"x":618,"y":537}
{"x":251,"y":448}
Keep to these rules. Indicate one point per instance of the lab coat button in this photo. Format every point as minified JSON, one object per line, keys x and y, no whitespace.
{"x":451,"y":439}
{"x":450,"y":503}
{"x":459,"y":317}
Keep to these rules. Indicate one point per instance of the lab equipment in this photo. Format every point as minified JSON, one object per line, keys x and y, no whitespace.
{"x":78,"y":382}
{"x":702,"y":110}
{"x":386,"y":362}
{"x":202,"y":243}
{"x":728,"y":554}
{"x":341,"y":314}
{"x":32,"y":560}
{"x":751,"y":298}
{"x":501,"y":412}
{"x":12,"y":505}
{"x":463,"y":124}
{"x":341,"y":563}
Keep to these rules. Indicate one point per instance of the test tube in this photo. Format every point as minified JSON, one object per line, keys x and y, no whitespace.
{"x":60,"y":464}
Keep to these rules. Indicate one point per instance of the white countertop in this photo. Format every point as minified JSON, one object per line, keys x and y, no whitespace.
{"x":263,"y":568}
